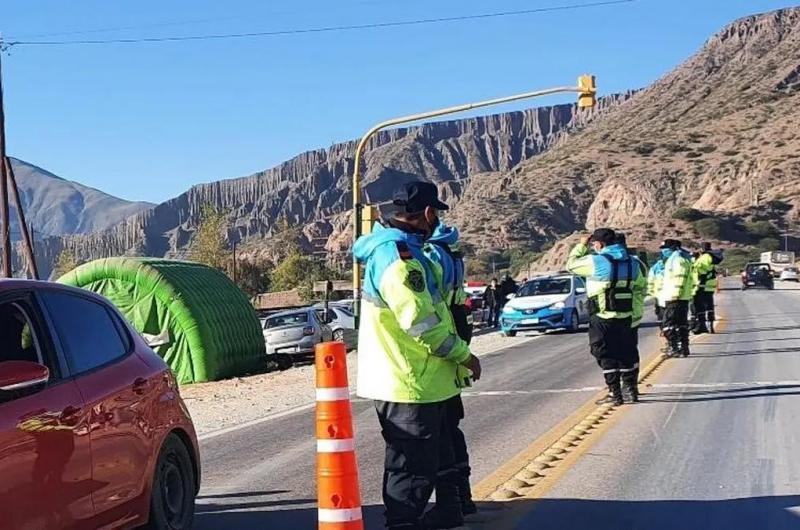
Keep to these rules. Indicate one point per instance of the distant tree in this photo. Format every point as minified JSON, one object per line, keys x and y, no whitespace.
{"x":688,"y":214}
{"x":710,"y":227}
{"x":286,"y":239}
{"x":299,"y":272}
{"x":253,"y":276}
{"x":209,"y":245}
{"x":769,"y":244}
{"x":66,"y":262}
{"x":761,"y":229}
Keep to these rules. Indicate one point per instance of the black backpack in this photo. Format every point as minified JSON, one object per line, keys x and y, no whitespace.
{"x":459,"y":312}
{"x":619,"y":295}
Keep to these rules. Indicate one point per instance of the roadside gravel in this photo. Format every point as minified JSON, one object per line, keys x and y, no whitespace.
{"x":223,"y":404}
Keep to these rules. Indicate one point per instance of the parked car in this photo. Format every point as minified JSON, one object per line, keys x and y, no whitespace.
{"x":341,"y":321}
{"x":547,"y":302}
{"x":93,"y":431}
{"x":790,"y":274}
{"x":295,"y":333}
{"x":757,"y":275}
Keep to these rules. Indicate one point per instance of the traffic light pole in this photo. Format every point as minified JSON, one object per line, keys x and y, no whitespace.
{"x":586,"y":89}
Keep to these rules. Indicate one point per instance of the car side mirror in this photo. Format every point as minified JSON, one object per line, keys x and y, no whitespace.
{"x":18,"y":375}
{"x":580,"y":290}
{"x":511,"y":295}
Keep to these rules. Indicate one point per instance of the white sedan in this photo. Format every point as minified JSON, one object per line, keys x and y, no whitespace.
{"x":789,"y":274}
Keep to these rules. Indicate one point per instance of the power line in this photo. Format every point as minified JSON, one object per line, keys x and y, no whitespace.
{"x":324,"y":29}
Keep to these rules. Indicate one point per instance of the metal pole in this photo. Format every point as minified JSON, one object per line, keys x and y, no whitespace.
{"x":357,"y":206}
{"x":4,"y":218}
{"x":234,"y":263}
{"x":23,"y":225}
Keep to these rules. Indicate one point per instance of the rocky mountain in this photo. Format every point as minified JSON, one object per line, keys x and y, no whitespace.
{"x":313,"y":189}
{"x":55,"y":206}
{"x":718,"y":134}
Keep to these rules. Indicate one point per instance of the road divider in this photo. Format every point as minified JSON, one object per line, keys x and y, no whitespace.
{"x":338,"y":493}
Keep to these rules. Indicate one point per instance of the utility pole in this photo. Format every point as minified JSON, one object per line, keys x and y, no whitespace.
{"x":4,"y":220}
{"x":23,"y":225}
{"x":234,"y":262}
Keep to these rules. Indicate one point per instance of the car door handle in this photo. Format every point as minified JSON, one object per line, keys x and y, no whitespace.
{"x":140,"y":385}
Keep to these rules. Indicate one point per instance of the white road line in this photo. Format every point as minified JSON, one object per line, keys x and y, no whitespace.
{"x":530,"y":392}
{"x":225,"y":430}
{"x":736,"y":384}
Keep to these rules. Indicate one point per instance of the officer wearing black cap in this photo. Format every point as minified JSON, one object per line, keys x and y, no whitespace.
{"x":408,"y":363}
{"x":610,"y":279}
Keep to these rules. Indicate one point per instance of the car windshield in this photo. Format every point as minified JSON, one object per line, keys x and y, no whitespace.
{"x":286,"y":320}
{"x":344,"y":311}
{"x":545,"y":286}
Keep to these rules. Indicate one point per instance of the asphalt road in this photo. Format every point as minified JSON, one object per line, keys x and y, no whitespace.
{"x":713,"y":445}
{"x":263,"y":476}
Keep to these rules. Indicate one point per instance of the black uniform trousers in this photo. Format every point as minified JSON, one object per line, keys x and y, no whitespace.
{"x":676,"y":320}
{"x":419,"y":455}
{"x":703,"y":308}
{"x":455,"y":413}
{"x":612,"y":343}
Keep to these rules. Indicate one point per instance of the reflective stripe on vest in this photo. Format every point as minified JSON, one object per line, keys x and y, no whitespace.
{"x":426,"y":324}
{"x":446,"y":347}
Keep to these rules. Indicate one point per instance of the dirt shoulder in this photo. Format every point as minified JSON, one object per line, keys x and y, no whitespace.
{"x":223,"y":404}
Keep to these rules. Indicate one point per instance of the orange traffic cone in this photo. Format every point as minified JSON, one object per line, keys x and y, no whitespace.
{"x":338,"y":494}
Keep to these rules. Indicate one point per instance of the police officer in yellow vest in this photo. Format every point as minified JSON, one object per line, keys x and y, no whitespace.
{"x":610,"y":276}
{"x":630,"y":380}
{"x":705,"y":268}
{"x":676,"y":292}
{"x":409,"y":354}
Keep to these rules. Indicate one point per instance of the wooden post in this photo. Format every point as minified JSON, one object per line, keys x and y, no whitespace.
{"x":5,"y":230}
{"x":23,"y":225}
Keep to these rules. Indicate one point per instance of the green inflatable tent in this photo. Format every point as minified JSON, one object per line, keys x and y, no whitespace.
{"x":196,"y":318}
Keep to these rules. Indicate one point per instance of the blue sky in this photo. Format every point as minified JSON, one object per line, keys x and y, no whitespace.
{"x":147,"y":121}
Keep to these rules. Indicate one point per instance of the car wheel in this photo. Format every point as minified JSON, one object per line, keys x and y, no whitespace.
{"x":174,"y":488}
{"x":510,"y":333}
{"x":575,"y":323}
{"x":338,"y":335}
{"x":284,"y":361}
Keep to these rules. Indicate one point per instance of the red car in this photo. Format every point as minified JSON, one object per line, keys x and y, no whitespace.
{"x":93,"y":432}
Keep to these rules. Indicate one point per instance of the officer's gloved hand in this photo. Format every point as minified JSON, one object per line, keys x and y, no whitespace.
{"x":474,"y":365}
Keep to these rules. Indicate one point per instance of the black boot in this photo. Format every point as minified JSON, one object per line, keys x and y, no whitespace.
{"x":468,"y":506}
{"x":630,"y":392}
{"x":447,"y":511}
{"x":614,"y":396}
{"x":684,"y":343}
{"x":674,"y":343}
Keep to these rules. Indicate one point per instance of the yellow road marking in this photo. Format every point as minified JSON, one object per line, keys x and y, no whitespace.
{"x":535,"y":470}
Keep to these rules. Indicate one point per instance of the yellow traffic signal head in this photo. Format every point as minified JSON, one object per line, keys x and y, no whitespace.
{"x":587,"y":97}
{"x":369,"y":215}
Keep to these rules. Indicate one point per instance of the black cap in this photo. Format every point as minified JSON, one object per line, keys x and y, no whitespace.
{"x":671,"y":243}
{"x":605,"y":236}
{"x":417,"y":195}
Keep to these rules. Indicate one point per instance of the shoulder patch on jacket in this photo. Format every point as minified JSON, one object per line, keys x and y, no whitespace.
{"x":415,"y":280}
{"x":404,"y":251}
